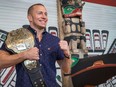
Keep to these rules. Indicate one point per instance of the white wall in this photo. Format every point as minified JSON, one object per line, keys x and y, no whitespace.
{"x":13,"y":13}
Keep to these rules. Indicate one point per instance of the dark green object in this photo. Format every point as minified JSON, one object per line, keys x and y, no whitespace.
{"x":75,"y":61}
{"x":68,"y":9}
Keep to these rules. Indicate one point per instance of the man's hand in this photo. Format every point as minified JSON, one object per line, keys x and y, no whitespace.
{"x":31,"y":54}
{"x":64,"y":46}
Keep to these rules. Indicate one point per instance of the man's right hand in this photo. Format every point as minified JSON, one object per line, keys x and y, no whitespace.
{"x":31,"y":54}
{"x":7,"y":60}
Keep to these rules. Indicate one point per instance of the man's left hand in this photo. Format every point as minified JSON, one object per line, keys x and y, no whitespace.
{"x":64,"y":46}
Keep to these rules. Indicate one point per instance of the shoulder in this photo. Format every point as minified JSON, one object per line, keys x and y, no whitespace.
{"x":50,"y":36}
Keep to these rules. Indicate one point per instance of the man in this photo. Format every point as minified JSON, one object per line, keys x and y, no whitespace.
{"x":48,"y":49}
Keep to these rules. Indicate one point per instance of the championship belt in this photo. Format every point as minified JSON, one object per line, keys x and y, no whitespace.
{"x":20,"y":40}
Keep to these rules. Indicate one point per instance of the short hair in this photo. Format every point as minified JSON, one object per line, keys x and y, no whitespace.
{"x":31,"y":7}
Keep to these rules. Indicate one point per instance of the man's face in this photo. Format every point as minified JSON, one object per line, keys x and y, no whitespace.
{"x":38,"y":17}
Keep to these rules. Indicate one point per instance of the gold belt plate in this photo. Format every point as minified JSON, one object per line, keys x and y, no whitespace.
{"x":20,"y":40}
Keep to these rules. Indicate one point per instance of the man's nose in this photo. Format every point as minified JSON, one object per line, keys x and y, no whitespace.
{"x":44,"y":15}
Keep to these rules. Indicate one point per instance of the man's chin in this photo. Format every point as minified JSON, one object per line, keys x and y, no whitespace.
{"x":41,"y":27}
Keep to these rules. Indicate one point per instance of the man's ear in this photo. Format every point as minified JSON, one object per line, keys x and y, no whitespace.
{"x":29,"y":17}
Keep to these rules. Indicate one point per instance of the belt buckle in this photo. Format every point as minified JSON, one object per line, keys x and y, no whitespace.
{"x":30,"y":64}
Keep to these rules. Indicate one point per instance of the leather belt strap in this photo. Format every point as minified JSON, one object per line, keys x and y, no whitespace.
{"x":36,"y":76}
{"x":18,"y":41}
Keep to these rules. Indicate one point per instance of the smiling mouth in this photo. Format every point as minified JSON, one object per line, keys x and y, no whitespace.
{"x":43,"y":21}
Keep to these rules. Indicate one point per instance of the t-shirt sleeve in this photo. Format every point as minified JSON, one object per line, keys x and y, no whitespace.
{"x":60,"y":54}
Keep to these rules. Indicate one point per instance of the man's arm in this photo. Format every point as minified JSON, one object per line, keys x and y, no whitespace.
{"x":65,"y":64}
{"x":7,"y":60}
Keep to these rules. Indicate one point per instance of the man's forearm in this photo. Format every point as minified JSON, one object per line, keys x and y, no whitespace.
{"x":7,"y":60}
{"x":65,"y":65}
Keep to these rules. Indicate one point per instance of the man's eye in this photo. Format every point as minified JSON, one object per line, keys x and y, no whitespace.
{"x":39,"y":13}
{"x":46,"y":14}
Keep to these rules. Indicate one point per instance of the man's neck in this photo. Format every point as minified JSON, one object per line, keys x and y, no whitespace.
{"x":39,"y":32}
